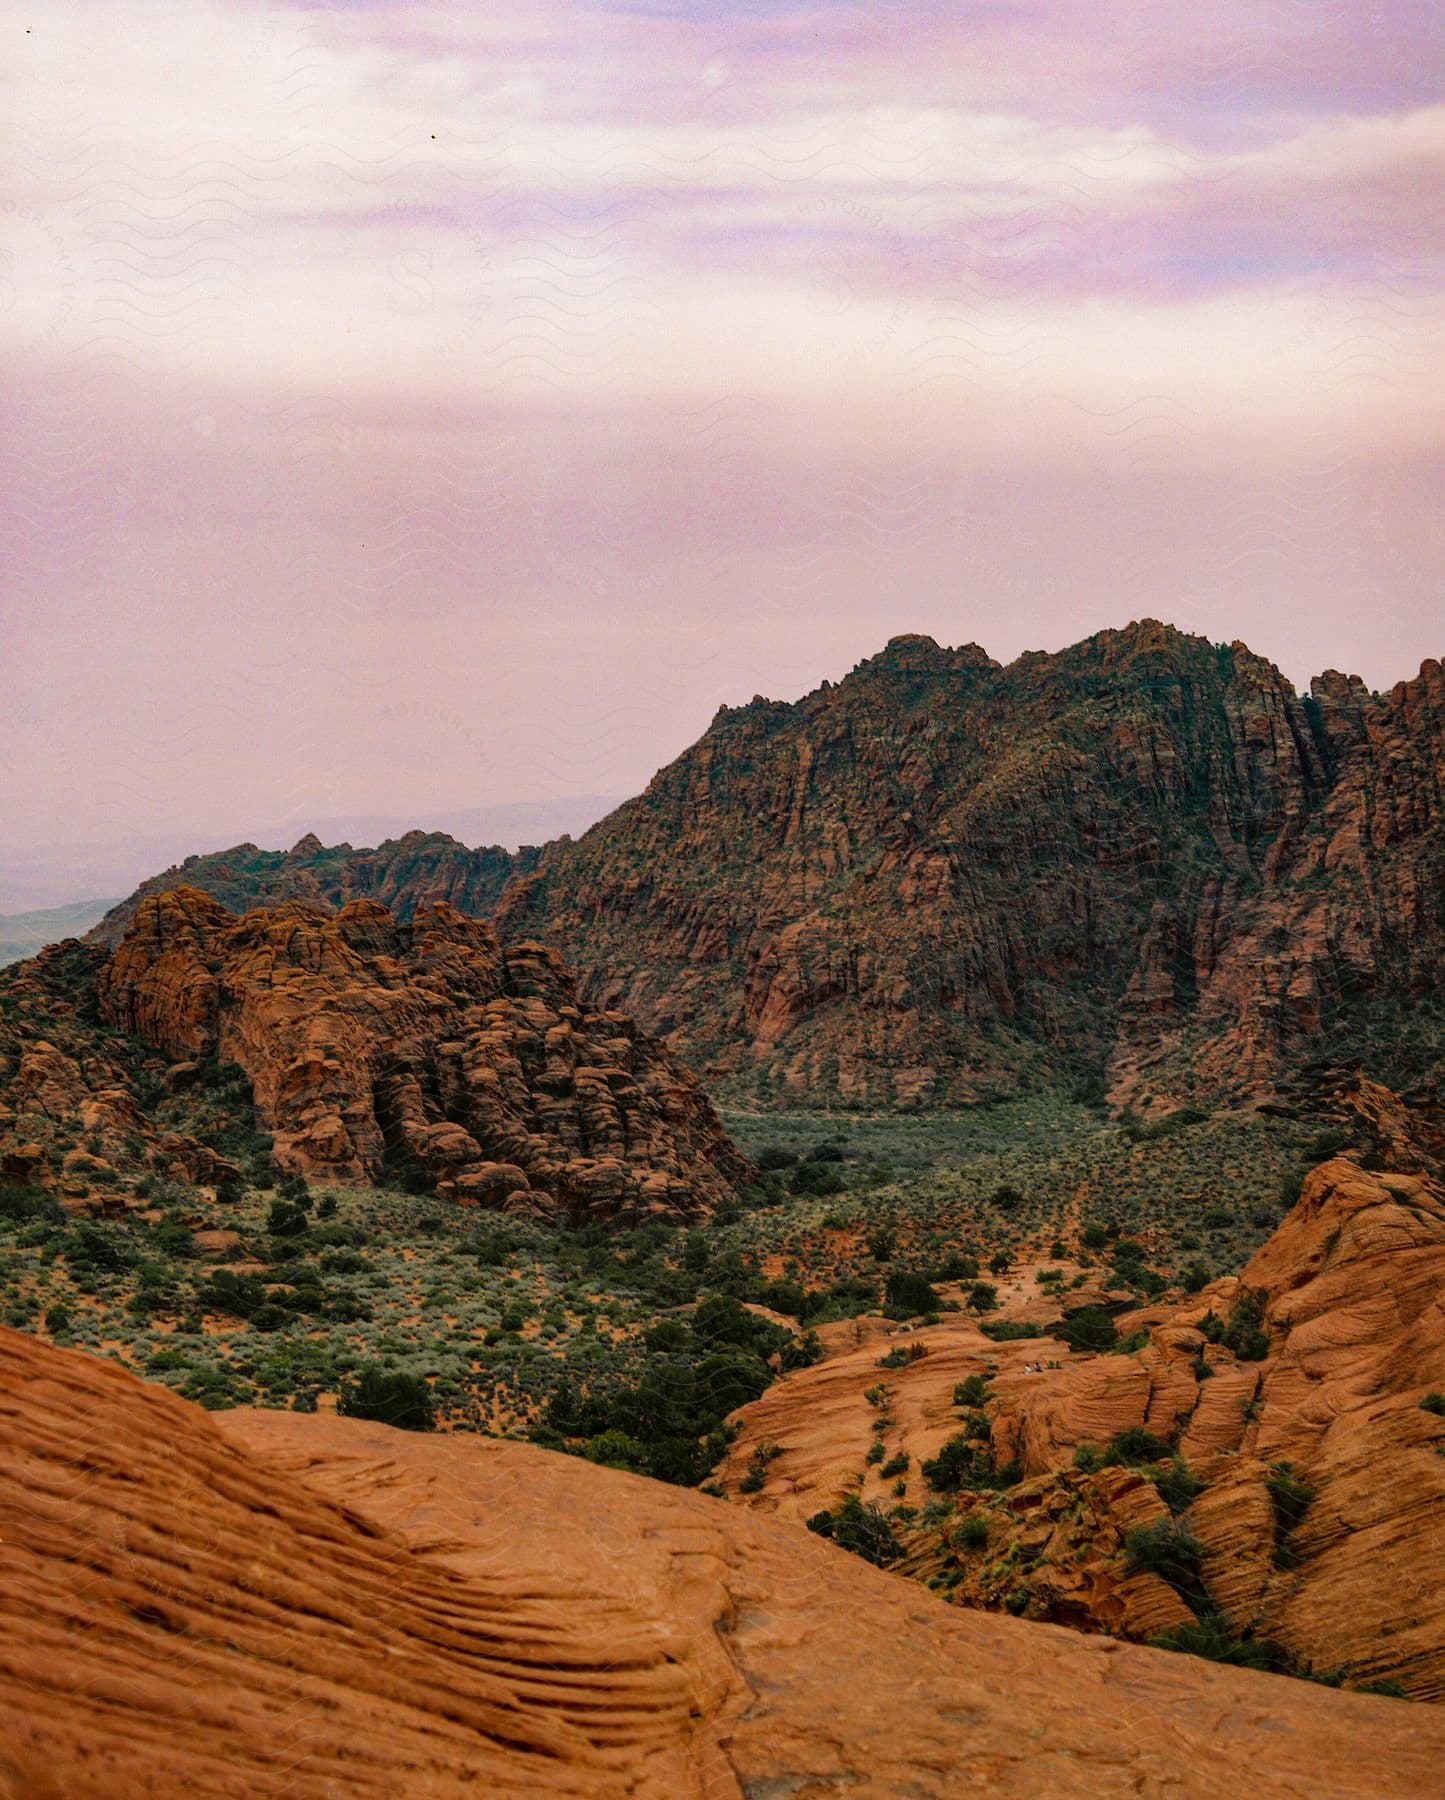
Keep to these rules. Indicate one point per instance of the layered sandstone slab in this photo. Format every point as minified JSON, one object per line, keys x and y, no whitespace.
{"x":275,"y":1604}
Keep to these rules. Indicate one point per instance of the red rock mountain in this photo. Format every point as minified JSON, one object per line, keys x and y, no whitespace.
{"x":399,"y":873}
{"x":1144,"y":858}
{"x":273,"y":1604}
{"x":1144,"y":862}
{"x":369,"y":1044}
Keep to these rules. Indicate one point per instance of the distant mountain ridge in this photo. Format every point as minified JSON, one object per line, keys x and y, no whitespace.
{"x":23,"y":933}
{"x":1143,"y":864}
{"x":400,"y":874}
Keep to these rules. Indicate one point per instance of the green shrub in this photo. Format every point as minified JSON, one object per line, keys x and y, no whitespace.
{"x":1211,"y":1638}
{"x":1168,"y":1549}
{"x":864,"y":1530}
{"x":286,"y":1219}
{"x":1178,"y":1487}
{"x":973,"y":1532}
{"x":967,"y":1461}
{"x":389,"y":1396}
{"x":1091,"y":1328}
{"x":908,"y":1294}
{"x":1290,"y":1495}
{"x":1434,"y":1403}
{"x":973,"y":1390}
{"x":1135,"y":1446}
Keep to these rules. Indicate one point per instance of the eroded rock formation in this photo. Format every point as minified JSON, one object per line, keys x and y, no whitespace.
{"x":1350,"y":1297}
{"x":272,"y":1604}
{"x":370,"y":1045}
{"x":1144,"y":859}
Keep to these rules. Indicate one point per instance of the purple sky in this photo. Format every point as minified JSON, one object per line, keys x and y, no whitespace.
{"x":413,"y":407}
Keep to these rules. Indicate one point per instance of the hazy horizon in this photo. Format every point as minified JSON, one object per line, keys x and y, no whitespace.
{"x":411,"y":409}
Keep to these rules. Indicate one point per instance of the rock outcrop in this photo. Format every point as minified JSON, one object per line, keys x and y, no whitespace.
{"x":276,"y":1604}
{"x":422,"y":1048}
{"x":1349,"y":1296}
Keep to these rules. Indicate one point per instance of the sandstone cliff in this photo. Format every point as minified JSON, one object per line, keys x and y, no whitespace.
{"x":270,"y":1604}
{"x":370,"y":1045}
{"x":1349,"y":1295}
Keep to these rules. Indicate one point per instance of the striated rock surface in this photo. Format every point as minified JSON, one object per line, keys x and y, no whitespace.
{"x":370,"y":1044}
{"x":1144,"y":859}
{"x":1350,"y":1292}
{"x":271,"y":1604}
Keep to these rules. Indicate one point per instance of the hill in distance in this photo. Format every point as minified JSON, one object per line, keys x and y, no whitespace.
{"x":22,"y":934}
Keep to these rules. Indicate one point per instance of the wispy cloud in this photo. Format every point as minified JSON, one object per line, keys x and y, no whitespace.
{"x":432,"y":402}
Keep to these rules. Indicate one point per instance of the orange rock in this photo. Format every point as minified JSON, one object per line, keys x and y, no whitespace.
{"x":1352,"y":1286}
{"x":272,"y":1604}
{"x":367,"y":1038}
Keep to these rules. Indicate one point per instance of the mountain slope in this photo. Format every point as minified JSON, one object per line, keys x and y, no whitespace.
{"x":1143,"y":861}
{"x":269,"y":1604}
{"x":398,"y":874}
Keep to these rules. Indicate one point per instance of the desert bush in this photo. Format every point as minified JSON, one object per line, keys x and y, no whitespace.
{"x":864,"y":1530}
{"x":1178,"y":1486}
{"x":908,"y":1294}
{"x":1091,"y":1328}
{"x":1168,"y":1549}
{"x":389,"y":1396}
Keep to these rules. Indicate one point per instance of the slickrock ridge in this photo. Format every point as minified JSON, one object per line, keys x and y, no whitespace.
{"x":273,"y":1604}
{"x":1351,"y":1294}
{"x":401,"y":874}
{"x":371,"y":1044}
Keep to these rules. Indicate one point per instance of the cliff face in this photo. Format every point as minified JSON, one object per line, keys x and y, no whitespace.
{"x":273,"y":1604}
{"x":400,"y":874}
{"x":1349,"y":1295}
{"x":369,"y":1044}
{"x":1144,"y":858}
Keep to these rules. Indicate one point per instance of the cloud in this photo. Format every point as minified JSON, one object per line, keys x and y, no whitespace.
{"x":427,"y":395}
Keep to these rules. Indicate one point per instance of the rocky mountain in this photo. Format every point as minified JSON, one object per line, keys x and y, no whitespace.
{"x":399,"y":874}
{"x":1290,"y":1416}
{"x":1144,"y":861}
{"x":366,"y":1045}
{"x":267,"y":1604}
{"x":1143,"y":865}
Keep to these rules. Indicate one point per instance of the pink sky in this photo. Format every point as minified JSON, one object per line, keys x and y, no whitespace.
{"x":411,"y":407}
